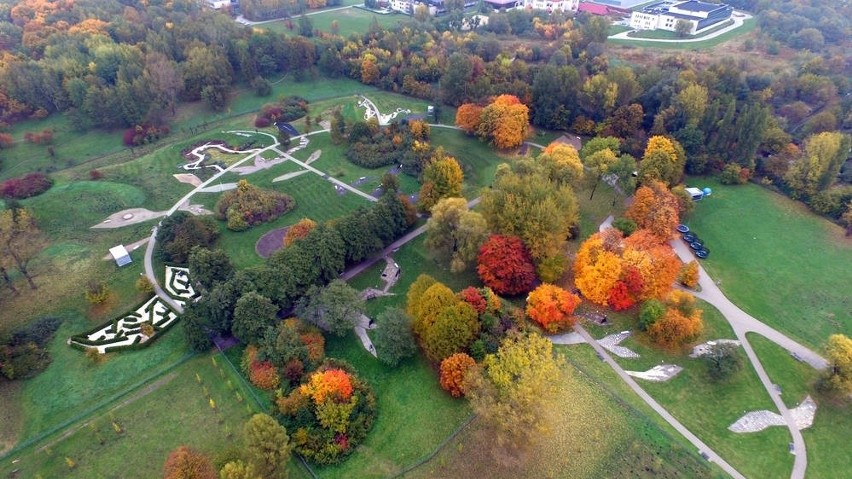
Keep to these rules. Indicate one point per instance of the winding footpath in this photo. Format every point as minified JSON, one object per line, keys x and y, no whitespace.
{"x":738,"y":17}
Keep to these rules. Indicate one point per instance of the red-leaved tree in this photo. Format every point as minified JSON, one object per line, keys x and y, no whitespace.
{"x":505,"y":265}
{"x":187,"y":463}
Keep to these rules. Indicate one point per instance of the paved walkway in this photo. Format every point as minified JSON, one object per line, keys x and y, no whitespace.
{"x":738,"y":17}
{"x":337,"y":182}
{"x":712,"y":455}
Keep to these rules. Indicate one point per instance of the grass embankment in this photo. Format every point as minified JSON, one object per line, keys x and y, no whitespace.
{"x":776,"y":260}
{"x":826,"y":440}
{"x":170,"y":411}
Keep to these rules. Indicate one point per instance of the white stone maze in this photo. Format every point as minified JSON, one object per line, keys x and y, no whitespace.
{"x":660,"y":373}
{"x":755,"y":421}
{"x":178,"y":284}
{"x":127,"y":330}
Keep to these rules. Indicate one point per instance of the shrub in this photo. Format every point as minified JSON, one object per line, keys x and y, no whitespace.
{"x":144,"y":285}
{"x":97,"y":292}
{"x":45,"y":137}
{"x":26,"y":186}
{"x":249,"y":205}
{"x":95,"y":175}
{"x":6,"y":140}
{"x":38,"y":332}
{"x":263,"y":375}
{"x":734,"y":174}
{"x":723,"y":361}
{"x":144,"y":134}
{"x":453,"y":371}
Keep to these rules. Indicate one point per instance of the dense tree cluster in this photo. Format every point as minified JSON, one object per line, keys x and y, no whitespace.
{"x":21,"y":241}
{"x":180,"y":232}
{"x":29,"y":185}
{"x":401,"y":143}
{"x":23,"y":352}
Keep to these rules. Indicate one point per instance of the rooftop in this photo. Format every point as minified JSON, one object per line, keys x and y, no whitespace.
{"x":696,"y":6}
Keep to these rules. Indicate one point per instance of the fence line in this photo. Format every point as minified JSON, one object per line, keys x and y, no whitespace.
{"x":438,"y":449}
{"x":91,"y":411}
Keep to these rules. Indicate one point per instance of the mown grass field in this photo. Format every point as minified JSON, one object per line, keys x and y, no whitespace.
{"x":777,"y":261}
{"x":352,"y":20}
{"x":747,"y":27}
{"x":172,"y":410}
{"x":827,"y":438}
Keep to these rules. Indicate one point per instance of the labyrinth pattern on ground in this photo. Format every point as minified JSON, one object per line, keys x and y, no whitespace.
{"x":127,"y":330}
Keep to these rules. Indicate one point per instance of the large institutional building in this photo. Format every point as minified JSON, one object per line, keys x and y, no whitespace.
{"x":666,"y":15}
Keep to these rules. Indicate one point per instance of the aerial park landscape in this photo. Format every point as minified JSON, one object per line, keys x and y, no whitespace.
{"x":281,"y":239}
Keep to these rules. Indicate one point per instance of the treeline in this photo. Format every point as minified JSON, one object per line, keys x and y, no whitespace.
{"x":807,"y":25}
{"x":266,"y":9}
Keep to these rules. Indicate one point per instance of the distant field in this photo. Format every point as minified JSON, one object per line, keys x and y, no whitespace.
{"x":352,"y":20}
{"x":778,"y":261}
{"x":747,"y":27}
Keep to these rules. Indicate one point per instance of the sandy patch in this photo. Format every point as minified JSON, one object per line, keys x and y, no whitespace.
{"x":289,"y":175}
{"x":218,"y":188}
{"x":756,"y":421}
{"x":188,"y":178}
{"x":270,"y":242}
{"x":128,"y":217}
{"x":314,"y":157}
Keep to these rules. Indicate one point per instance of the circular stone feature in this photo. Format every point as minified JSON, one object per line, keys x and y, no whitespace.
{"x":270,"y":242}
{"x":127,"y":216}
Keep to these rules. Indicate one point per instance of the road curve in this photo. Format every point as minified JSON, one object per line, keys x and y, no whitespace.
{"x":702,"y":447}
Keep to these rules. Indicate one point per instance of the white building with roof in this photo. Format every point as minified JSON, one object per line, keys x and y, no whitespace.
{"x":120,"y":255}
{"x":553,"y":5}
{"x":666,"y":16}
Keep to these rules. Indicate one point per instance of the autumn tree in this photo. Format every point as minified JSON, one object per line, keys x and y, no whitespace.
{"x":525,"y":202}
{"x":599,"y":164}
{"x":505,"y":265}
{"x":238,"y":470}
{"x":663,"y":160}
{"x":691,"y":101}
{"x":562,"y":164}
{"x":838,"y":376}
{"x":552,"y":307}
{"x":442,"y":178}
{"x":454,"y":328}
{"x":20,"y":242}
{"x":655,"y":208}
{"x":689,"y":275}
{"x":597,"y":268}
{"x":681,"y":322}
{"x":392,"y":336}
{"x":267,"y":445}
{"x":504,"y":122}
{"x":210,"y":267}
{"x":515,"y":389}
{"x":429,"y":305}
{"x":817,"y":169}
{"x":468,"y":117}
{"x":299,"y":230}
{"x":453,"y":371}
{"x":187,"y":463}
{"x":415,"y":293}
{"x":455,"y":233}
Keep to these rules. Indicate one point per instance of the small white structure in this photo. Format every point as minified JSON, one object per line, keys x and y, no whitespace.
{"x":120,"y":254}
{"x":695,"y":193}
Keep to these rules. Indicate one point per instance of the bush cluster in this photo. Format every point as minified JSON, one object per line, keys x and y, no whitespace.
{"x":287,"y":109}
{"x":26,"y":186}
{"x":404,"y":143}
{"x":45,"y":137}
{"x":249,"y":205}
{"x":144,"y":134}
{"x":23,"y":353}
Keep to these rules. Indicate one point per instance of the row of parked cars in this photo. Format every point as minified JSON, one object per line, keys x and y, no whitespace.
{"x":694,"y":242}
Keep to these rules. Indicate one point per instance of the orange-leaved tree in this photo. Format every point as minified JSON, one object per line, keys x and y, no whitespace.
{"x":689,"y":274}
{"x":597,"y":268}
{"x":299,"y":230}
{"x":453,"y":370}
{"x":467,"y":117}
{"x":681,"y":323}
{"x":187,"y":463}
{"x":655,"y":208}
{"x":505,"y":265}
{"x":331,"y":384}
{"x":504,"y":122}
{"x":552,"y":307}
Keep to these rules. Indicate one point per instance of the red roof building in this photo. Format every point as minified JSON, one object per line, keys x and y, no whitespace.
{"x":593,"y":8}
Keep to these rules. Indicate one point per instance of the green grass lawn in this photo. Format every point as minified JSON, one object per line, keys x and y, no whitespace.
{"x":668,"y":35}
{"x":349,"y":21}
{"x":315,"y":199}
{"x":170,"y":411}
{"x":776,"y":260}
{"x":762,"y":454}
{"x":478,"y":159}
{"x":826,"y":439}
